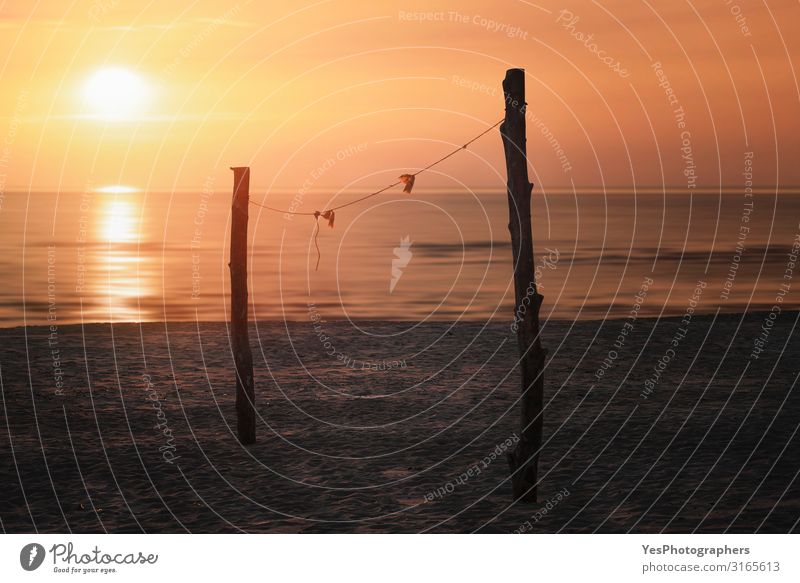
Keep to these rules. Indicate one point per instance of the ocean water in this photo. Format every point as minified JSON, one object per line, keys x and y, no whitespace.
{"x":434,"y":255}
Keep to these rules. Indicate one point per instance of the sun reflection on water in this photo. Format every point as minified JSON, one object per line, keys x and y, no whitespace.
{"x":117,"y":260}
{"x":120,"y":222}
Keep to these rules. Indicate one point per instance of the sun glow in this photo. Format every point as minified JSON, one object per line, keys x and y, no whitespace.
{"x":117,"y":189}
{"x":115,"y":94}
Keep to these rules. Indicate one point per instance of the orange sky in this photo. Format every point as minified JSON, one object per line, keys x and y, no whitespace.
{"x":338,"y":93}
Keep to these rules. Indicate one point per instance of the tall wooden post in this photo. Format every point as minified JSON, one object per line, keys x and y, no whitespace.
{"x":524,"y":459}
{"x":240,"y":340}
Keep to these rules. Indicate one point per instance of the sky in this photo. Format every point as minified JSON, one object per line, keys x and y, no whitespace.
{"x":342,"y":94}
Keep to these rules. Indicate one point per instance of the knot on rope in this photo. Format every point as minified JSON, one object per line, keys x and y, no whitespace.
{"x":329,"y":215}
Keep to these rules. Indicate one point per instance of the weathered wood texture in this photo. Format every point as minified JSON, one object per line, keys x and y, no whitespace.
{"x":524,"y":459}
{"x":240,"y":340}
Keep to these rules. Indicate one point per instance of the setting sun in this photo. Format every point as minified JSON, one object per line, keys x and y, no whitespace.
{"x":115,"y":93}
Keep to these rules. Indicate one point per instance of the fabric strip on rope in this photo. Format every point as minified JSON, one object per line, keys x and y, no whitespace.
{"x":408,"y":180}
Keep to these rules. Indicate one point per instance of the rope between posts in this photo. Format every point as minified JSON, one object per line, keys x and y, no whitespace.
{"x":407,"y":179}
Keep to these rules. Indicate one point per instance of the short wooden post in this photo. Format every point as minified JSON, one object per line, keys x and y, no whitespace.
{"x":240,"y":340}
{"x":524,"y":459}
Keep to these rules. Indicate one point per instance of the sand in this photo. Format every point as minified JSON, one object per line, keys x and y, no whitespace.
{"x":415,"y":446}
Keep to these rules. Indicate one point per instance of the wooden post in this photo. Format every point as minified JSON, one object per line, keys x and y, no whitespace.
{"x":524,"y":459}
{"x":240,"y":340}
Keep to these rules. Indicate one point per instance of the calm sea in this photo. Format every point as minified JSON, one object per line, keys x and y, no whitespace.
{"x":155,"y":256}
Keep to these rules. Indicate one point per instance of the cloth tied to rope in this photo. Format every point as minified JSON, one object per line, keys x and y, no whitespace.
{"x":408,"y":180}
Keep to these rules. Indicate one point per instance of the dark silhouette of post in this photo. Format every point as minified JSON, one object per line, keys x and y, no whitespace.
{"x":240,"y":340}
{"x":524,"y":459}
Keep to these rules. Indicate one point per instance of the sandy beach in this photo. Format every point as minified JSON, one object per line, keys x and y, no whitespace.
{"x":399,"y":427}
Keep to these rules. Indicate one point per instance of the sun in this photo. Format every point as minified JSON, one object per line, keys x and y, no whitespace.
{"x":115,"y":94}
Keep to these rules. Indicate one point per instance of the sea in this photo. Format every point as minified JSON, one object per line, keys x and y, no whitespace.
{"x":129,"y":256}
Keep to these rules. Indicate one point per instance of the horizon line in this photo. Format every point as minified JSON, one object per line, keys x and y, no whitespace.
{"x":482,"y":189}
